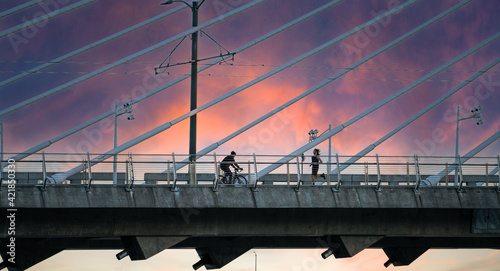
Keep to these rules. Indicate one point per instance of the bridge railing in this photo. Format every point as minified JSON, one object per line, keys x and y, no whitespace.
{"x":177,"y":170}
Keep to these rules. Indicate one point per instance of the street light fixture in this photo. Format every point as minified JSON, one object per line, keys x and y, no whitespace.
{"x":127,"y":109}
{"x":313,"y":134}
{"x":476,"y":113}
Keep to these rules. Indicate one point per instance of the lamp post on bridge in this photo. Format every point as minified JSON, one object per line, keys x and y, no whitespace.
{"x":313,"y":134}
{"x":127,"y":108}
{"x":476,"y":113}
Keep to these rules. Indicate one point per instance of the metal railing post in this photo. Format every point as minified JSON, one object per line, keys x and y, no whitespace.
{"x":366,"y":172}
{"x":168,"y":172}
{"x":408,"y":173}
{"x":498,"y":166}
{"x":195,"y":177}
{"x":44,"y":169}
{"x":287,"y":173}
{"x":417,"y":173}
{"x":461,"y":176}
{"x":131,"y":168}
{"x":84,"y":171}
{"x":249,"y":174}
{"x":339,"y":177}
{"x":447,"y":174}
{"x":299,"y":178}
{"x":216,"y":175}
{"x":126,"y":174}
{"x":89,"y":183}
{"x":379,"y":178}
{"x":256,"y":172}
{"x":174,"y":183}
{"x":486,"y":179}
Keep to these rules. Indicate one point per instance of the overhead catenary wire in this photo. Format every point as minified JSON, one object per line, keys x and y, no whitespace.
{"x":371,"y":147}
{"x":402,"y":69}
{"x":339,"y":128}
{"x":385,"y":79}
{"x":19,"y":8}
{"x":126,"y":59}
{"x":45,"y":17}
{"x":278,"y":30}
{"x":86,"y":48}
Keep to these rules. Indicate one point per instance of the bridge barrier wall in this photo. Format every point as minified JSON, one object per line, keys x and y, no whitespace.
{"x":270,"y":179}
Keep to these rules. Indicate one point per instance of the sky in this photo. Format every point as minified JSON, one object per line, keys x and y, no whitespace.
{"x":334,"y":104}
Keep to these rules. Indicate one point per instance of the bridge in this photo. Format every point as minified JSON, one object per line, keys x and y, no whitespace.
{"x":142,"y":204}
{"x":385,"y":206}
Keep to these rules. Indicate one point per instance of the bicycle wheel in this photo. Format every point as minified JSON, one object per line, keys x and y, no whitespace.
{"x":240,"y":180}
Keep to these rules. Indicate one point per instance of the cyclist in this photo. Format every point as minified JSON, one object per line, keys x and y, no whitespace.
{"x":226,"y":163}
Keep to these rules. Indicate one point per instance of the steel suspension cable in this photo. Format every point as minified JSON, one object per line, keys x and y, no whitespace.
{"x":19,"y":8}
{"x":159,"y":89}
{"x":126,"y":59}
{"x":434,"y":180}
{"x":58,"y":177}
{"x":282,"y":107}
{"x":45,"y":17}
{"x":88,"y":47}
{"x":369,"y":148}
{"x":387,"y":100}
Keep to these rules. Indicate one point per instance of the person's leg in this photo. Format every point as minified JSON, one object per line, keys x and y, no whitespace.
{"x":227,"y":175}
{"x":314,"y":173}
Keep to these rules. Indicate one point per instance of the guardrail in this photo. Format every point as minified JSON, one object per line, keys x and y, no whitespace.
{"x":176,"y":170}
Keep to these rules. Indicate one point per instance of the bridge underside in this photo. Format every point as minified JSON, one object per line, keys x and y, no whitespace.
{"x":224,"y":224}
{"x":218,"y":251}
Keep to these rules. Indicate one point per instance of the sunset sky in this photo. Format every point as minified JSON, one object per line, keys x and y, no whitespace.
{"x":334,"y":104}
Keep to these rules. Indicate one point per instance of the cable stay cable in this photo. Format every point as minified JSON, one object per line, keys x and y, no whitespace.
{"x":90,"y":46}
{"x":19,"y":8}
{"x":61,"y":176}
{"x":280,"y":108}
{"x":180,"y":79}
{"x":434,"y":179}
{"x":46,"y":17}
{"x":339,"y":128}
{"x":494,"y":171}
{"x":47,"y":143}
{"x":126,"y":59}
{"x":371,"y":147}
{"x":372,"y":109}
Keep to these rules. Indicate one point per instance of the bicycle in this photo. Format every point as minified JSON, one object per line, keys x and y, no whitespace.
{"x":235,"y":178}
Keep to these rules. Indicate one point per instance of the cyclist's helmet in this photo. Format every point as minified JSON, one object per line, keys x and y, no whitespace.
{"x":233,"y":153}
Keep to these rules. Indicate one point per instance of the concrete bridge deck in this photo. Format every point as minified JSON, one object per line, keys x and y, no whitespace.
{"x":223,"y":224}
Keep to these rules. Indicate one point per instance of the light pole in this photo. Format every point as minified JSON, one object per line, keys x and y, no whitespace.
{"x":194,"y":74}
{"x":313,"y":134}
{"x":127,"y":108}
{"x":476,"y":113}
